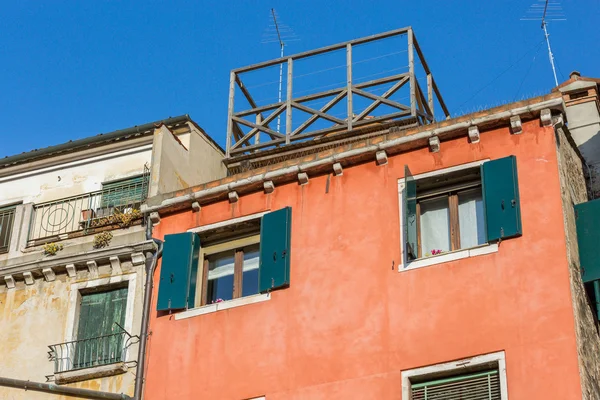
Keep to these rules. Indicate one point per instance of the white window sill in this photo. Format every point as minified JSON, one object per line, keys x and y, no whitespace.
{"x":450,"y":256}
{"x":224,"y":305}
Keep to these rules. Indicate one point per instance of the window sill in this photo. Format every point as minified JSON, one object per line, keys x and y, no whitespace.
{"x":450,"y":256}
{"x":211,"y":308}
{"x":85,"y":374}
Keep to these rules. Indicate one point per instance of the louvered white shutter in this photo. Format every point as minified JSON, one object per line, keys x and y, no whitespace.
{"x":477,"y":386}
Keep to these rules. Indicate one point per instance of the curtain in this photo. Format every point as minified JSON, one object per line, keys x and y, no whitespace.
{"x":471,"y":220}
{"x":435,"y":225}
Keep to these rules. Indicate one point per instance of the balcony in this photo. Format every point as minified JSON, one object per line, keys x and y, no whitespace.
{"x":116,"y":206}
{"x":92,"y":352}
{"x":7,"y":217}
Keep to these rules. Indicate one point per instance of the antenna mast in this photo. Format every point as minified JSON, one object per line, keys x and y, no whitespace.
{"x":547,"y":12}
{"x":281,"y":46}
{"x":550,"y":55}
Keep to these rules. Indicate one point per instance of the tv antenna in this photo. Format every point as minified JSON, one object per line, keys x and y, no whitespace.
{"x":545,"y":11}
{"x":279,"y":33}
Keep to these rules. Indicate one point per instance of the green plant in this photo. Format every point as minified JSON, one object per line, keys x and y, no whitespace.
{"x":102,"y":239}
{"x":50,"y":249}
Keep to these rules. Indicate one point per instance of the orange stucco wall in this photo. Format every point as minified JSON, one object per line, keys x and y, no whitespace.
{"x":349,"y":323}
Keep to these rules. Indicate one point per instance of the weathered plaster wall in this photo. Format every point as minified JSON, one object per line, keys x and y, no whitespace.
{"x":35,"y":316}
{"x":573,"y":191}
{"x":176,"y":166}
{"x":351,"y":322}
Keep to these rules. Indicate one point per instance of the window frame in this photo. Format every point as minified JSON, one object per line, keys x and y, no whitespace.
{"x":236,"y":245}
{"x":73,"y":309}
{"x":8,"y":212}
{"x":497,"y":359}
{"x":405,"y":263}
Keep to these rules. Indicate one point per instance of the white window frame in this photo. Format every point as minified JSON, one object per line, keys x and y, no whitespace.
{"x":75,"y":301}
{"x":455,"y":367}
{"x":405,"y":264}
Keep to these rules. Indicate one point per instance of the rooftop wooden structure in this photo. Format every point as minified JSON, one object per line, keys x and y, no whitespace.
{"x":252,"y":132}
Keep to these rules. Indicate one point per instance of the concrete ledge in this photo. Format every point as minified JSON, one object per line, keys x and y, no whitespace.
{"x":85,"y":374}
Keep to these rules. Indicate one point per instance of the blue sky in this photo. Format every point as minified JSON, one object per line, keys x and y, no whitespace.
{"x":71,"y":69}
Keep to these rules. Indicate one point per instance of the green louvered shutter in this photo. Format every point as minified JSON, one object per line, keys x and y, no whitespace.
{"x":410,"y":214}
{"x":275,"y":250}
{"x":98,"y":338}
{"x":500,"y":189}
{"x":587,"y":217}
{"x":477,"y":386}
{"x":178,"y":271}
{"x":126,"y":192}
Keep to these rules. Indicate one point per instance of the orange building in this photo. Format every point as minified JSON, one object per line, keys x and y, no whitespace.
{"x":385,"y":256}
{"x":364,"y":313}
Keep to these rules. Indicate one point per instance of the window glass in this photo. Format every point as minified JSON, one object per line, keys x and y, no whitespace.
{"x":435,"y":225}
{"x":220,"y":277}
{"x":470,"y":219}
{"x":250,"y":271}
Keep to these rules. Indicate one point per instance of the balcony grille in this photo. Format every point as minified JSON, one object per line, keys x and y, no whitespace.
{"x":92,"y":352}
{"x":89,"y":210}
{"x":7,"y":218}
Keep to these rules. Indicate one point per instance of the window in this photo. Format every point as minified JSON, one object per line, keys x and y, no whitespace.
{"x":483,"y":385}
{"x":7,"y":217}
{"x":476,"y":378}
{"x":226,"y":261}
{"x":459,"y":208}
{"x":100,"y":335}
{"x":124,"y":193}
{"x":231,"y":274}
{"x":449,"y":213}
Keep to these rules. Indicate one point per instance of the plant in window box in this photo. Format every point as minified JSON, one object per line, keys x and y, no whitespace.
{"x":433,"y":252}
{"x":50,"y":249}
{"x":125,"y":219}
{"x":102,"y":239}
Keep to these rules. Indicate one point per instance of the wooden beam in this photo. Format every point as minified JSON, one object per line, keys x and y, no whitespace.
{"x":254,"y":131}
{"x":317,"y":112}
{"x":230,"y":112}
{"x":411,"y":71}
{"x":288,"y":117}
{"x":385,"y":95}
{"x":325,"y":108}
{"x":260,"y":128}
{"x":350,"y":111}
{"x":430,"y":94}
{"x":381,"y":99}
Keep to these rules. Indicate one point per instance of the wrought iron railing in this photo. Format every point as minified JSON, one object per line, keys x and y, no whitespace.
{"x":92,"y":352}
{"x":89,"y":210}
{"x":7,"y":217}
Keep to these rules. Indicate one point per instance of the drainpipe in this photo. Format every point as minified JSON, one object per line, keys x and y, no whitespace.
{"x":151,"y":260}
{"x":61,"y":390}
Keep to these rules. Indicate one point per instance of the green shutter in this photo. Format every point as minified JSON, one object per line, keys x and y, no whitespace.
{"x":99,"y":315}
{"x":477,"y":386}
{"x":587,"y":217}
{"x":178,"y":271}
{"x":410,"y":214}
{"x":125,"y":192}
{"x":275,"y":249}
{"x":501,"y":198}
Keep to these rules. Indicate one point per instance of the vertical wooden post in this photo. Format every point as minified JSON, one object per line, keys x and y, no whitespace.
{"x":349,"y":84}
{"x":238,"y":270}
{"x":230,"y":113}
{"x":288,"y":120}
{"x":411,"y":72}
{"x":258,"y":122}
{"x":430,"y":94}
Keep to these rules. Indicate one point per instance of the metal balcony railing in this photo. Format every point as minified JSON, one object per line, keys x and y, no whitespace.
{"x":89,"y":210}
{"x":92,"y":352}
{"x":7,"y":217}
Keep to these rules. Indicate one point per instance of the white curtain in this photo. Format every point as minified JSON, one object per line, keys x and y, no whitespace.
{"x":470,"y":218}
{"x":221,"y":267}
{"x":435,"y":225}
{"x":250,"y":261}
